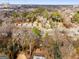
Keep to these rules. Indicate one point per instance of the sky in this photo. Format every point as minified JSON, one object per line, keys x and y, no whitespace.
{"x":42,"y":2}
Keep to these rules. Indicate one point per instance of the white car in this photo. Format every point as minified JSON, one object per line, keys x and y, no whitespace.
{"x":38,"y":57}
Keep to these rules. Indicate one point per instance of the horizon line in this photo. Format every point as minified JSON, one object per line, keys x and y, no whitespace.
{"x":36,"y":4}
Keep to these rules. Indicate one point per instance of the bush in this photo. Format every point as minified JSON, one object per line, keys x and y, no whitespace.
{"x":76,"y":17}
{"x":15,"y":14}
{"x":36,"y":31}
{"x":56,"y":16}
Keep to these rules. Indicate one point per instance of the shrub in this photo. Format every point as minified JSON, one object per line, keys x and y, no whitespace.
{"x":36,"y":31}
{"x":76,"y":17}
{"x":56,"y":16}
